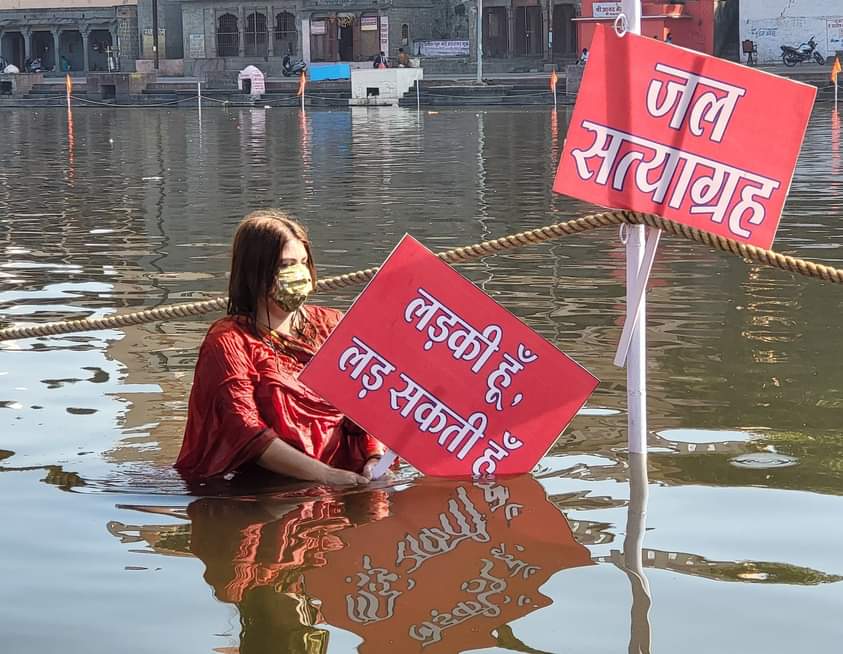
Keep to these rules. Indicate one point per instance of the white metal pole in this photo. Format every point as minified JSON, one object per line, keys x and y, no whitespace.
{"x":636,"y":365}
{"x":199,"y":97}
{"x":418,"y":98}
{"x":479,"y":41}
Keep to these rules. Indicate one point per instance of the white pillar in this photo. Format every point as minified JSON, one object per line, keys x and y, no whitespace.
{"x":305,"y":40}
{"x":479,"y":32}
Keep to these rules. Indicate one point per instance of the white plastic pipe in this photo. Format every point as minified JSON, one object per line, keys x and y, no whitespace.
{"x":636,"y":360}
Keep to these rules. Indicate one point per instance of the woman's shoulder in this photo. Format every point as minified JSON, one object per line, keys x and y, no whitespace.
{"x":325,"y":317}
{"x":230,"y":332}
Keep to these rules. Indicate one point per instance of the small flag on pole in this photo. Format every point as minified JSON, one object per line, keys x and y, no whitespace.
{"x":836,"y":69}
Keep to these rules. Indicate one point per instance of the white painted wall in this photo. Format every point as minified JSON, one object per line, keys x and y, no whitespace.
{"x":391,"y":82}
{"x":773,"y":23}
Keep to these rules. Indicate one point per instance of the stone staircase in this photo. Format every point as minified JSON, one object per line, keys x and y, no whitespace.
{"x":281,"y":92}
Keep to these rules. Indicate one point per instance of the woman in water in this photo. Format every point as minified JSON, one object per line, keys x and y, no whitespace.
{"x":247,"y":408}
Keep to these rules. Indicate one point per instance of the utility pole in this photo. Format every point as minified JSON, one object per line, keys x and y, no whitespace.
{"x":479,"y":41}
{"x":155,"y":34}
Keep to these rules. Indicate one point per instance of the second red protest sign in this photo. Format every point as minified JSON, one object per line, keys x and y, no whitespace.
{"x":696,"y":139}
{"x":443,"y":375}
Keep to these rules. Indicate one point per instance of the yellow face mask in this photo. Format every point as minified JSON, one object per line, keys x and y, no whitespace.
{"x":292,"y":286}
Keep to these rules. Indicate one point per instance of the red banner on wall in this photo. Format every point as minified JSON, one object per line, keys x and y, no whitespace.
{"x":446,"y":377}
{"x":696,"y":139}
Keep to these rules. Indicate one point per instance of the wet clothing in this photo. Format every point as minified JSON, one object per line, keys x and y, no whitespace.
{"x":246,"y":383}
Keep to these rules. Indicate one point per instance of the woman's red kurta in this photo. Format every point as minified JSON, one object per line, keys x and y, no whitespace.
{"x":243,"y":386}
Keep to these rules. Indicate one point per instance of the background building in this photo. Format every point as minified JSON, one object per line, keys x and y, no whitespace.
{"x":69,"y":35}
{"x":771,"y":24}
{"x":201,"y":36}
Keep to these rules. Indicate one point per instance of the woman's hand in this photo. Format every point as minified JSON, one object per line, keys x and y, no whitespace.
{"x":338,"y":477}
{"x":370,"y":466}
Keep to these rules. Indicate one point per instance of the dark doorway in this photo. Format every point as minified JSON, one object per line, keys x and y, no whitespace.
{"x":12,"y":48}
{"x":71,"y":56}
{"x":564,"y":30}
{"x":528,"y":31}
{"x":345,"y":35}
{"x":495,"y":32}
{"x":43,"y":47}
{"x":99,"y":47}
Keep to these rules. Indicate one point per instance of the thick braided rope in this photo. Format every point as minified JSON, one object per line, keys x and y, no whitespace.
{"x":457,"y":255}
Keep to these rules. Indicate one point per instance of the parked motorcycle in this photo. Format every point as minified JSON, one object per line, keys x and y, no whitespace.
{"x":35,"y":66}
{"x":804,"y":52}
{"x":290,"y":67}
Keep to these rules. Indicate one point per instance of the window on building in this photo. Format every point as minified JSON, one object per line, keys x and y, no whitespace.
{"x":459,"y":10}
{"x":256,"y":35}
{"x":286,"y":35}
{"x":405,"y":34}
{"x":228,"y":36}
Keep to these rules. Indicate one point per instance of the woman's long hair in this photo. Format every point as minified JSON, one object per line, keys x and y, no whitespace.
{"x":258,"y":244}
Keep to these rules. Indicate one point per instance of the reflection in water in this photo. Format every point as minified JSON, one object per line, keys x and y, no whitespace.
{"x":633,"y":554}
{"x":440,"y":565}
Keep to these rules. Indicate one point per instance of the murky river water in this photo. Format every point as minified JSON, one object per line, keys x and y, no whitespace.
{"x":102,"y":549}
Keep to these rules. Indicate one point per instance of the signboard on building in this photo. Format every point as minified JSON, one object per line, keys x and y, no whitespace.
{"x":147,"y":45}
{"x":443,"y":375}
{"x":442,"y":48}
{"x":318,"y":27}
{"x":606,"y":9}
{"x":196,"y":43}
{"x":702,"y":141}
{"x":368,"y":23}
{"x":834,"y":28}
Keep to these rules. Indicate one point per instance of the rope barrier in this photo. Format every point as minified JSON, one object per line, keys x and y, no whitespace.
{"x":459,"y":255}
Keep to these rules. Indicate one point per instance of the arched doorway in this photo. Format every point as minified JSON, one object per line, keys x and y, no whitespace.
{"x":228,"y":36}
{"x":44,"y":48}
{"x":12,"y":48}
{"x":99,"y":45}
{"x":71,"y":56}
{"x":256,"y":35}
{"x":286,"y":36}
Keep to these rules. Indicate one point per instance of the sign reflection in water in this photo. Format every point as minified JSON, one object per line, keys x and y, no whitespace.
{"x":441,"y":566}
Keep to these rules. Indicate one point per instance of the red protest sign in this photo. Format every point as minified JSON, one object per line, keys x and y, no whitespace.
{"x":448,"y":566}
{"x":696,"y":139}
{"x":442,"y":374}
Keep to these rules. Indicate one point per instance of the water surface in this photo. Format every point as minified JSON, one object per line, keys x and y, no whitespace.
{"x":100,"y":540}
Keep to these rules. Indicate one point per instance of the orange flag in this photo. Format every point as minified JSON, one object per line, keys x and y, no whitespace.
{"x":554,"y":79}
{"x":836,"y":69}
{"x":302,"y":83}
{"x":68,"y":84}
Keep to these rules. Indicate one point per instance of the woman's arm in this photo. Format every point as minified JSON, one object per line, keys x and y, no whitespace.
{"x":284,"y":459}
